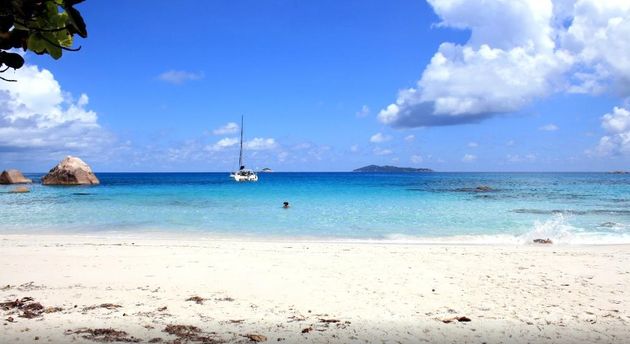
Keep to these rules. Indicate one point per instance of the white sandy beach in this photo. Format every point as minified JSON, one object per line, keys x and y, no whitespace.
{"x":295,"y":292}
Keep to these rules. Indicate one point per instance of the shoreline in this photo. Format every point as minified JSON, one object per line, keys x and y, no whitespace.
{"x":505,"y":240}
{"x":339,"y":292}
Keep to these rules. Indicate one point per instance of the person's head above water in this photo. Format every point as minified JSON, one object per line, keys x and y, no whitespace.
{"x":285,"y":205}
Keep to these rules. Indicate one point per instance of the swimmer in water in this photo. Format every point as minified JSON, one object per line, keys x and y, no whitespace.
{"x":285,"y":205}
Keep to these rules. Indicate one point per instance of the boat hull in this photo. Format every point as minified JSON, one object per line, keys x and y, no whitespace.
{"x":245,"y":178}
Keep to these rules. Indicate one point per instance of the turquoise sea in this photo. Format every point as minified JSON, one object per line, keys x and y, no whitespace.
{"x":571,"y":208}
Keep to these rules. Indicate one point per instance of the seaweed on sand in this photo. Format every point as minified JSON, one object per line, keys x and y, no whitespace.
{"x":104,"y":335}
{"x":189,"y":333}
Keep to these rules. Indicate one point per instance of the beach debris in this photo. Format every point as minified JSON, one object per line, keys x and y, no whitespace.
{"x":255,"y":337}
{"x":162,"y":309}
{"x":70,"y":171}
{"x":29,"y":308}
{"x":13,"y":177}
{"x":155,"y":340}
{"x":20,"y":189}
{"x":29,"y":286}
{"x":10,"y":319}
{"x":456,"y":319}
{"x":109,"y":306}
{"x":32,"y":310}
{"x":307,"y":330}
{"x":189,"y":333}
{"x":296,"y":318}
{"x":104,"y":335}
{"x":227,"y":299}
{"x":543,"y":241}
{"x":52,"y":309}
{"x":198,"y":299}
{"x":329,"y":321}
{"x":236,"y":321}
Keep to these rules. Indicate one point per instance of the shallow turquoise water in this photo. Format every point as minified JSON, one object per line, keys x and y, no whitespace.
{"x":568,"y":207}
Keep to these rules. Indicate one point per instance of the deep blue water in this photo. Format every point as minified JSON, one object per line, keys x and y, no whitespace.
{"x":568,"y":207}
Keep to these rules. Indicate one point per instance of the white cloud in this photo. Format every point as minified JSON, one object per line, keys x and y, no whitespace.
{"x":260,"y":143}
{"x":282,"y":156}
{"x":469,"y":158}
{"x":519,"y":158}
{"x":228,"y":128}
{"x":37,"y":115}
{"x":382,"y":151}
{"x":364,"y":112}
{"x":549,"y":127}
{"x":379,"y":138}
{"x":510,"y":143}
{"x":416,"y":159}
{"x":354,"y":148}
{"x":179,"y":77}
{"x":518,"y":51}
{"x":617,"y":138}
{"x":473,"y":144}
{"x":223,"y":144}
{"x":410,"y":138}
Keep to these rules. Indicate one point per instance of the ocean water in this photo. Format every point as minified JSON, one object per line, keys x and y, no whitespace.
{"x":570,"y":208}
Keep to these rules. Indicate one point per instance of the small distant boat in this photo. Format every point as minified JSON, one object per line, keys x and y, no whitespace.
{"x":266,"y":170}
{"x":243,"y":174}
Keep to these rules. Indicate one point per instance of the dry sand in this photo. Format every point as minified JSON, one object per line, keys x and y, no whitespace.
{"x":293,"y":292}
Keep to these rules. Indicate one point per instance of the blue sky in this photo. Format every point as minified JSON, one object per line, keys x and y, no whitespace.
{"x":315,"y":80}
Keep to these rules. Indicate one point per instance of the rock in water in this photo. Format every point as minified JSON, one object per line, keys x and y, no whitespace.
{"x":13,"y":177}
{"x":543,"y":241}
{"x":20,"y":189}
{"x":70,"y":171}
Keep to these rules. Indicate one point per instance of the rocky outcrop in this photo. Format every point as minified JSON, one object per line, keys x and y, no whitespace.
{"x":13,"y":177}
{"x":70,"y":171}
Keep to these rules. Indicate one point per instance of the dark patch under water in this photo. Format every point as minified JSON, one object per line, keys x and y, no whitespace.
{"x":572,"y":212}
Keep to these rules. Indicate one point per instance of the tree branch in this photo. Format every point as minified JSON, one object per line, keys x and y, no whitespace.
{"x":8,"y":80}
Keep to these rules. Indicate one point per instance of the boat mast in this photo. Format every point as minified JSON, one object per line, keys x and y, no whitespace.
{"x":240,"y":156}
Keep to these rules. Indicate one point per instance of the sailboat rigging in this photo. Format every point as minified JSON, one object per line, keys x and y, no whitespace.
{"x":243,"y":174}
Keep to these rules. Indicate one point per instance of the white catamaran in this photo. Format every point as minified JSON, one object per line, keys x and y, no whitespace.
{"x":243,"y":174}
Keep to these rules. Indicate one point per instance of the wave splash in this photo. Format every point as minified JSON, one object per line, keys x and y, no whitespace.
{"x":557,"y":228}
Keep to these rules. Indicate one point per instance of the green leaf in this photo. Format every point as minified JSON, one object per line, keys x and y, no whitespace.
{"x":36,"y":44}
{"x":53,"y":50}
{"x":74,"y":17}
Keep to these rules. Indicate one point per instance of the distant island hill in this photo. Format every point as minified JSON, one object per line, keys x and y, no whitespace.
{"x":391,"y":169}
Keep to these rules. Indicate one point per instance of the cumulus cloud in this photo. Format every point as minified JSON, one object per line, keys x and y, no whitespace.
{"x":382,"y":151}
{"x":260,"y":143}
{"x":364,"y":112}
{"x":36,"y":115}
{"x":549,"y":127}
{"x":521,"y":158}
{"x":518,"y":51}
{"x":228,"y":128}
{"x":410,"y":138}
{"x":469,"y":158}
{"x":473,"y":144}
{"x":178,"y":77}
{"x":617,"y":138}
{"x":416,"y":159}
{"x":379,"y":138}
{"x":223,"y":144}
